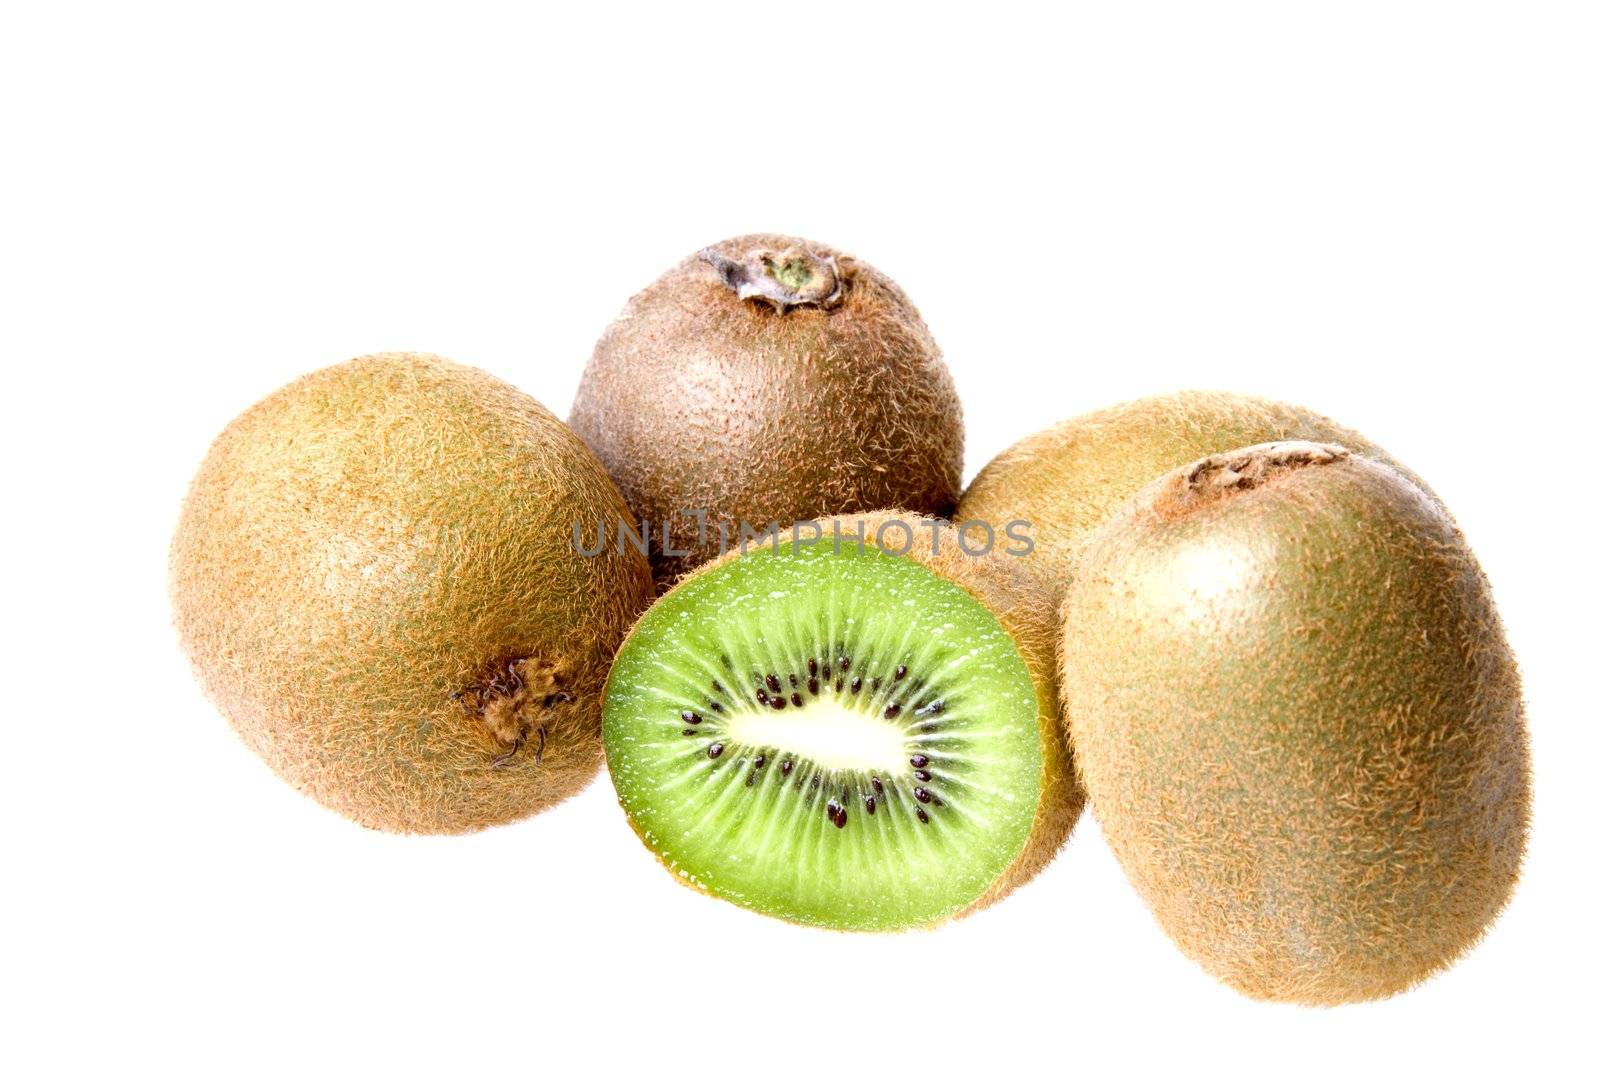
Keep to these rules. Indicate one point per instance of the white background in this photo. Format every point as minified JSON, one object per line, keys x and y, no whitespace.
{"x":1385,"y":211}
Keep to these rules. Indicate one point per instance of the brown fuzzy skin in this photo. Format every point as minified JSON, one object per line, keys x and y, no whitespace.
{"x":374,"y":578}
{"x":1068,"y":479}
{"x":1299,"y":722}
{"x":1027,"y":612}
{"x":696,"y":398}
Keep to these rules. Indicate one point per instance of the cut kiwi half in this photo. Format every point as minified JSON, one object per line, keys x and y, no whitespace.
{"x":844,"y":732}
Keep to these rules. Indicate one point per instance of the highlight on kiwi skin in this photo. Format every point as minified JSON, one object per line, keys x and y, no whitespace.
{"x":373,"y":578}
{"x":857,"y":734}
{"x":768,"y":380}
{"x":1298,"y":719}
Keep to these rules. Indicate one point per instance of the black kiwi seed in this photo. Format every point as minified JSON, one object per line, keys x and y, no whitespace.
{"x":877,"y":785}
{"x":786,"y":767}
{"x":795,"y":699}
{"x":715,"y":750}
{"x":899,"y":672}
{"x":838,"y":686}
{"x":812,"y":685}
{"x":691,"y":718}
{"x":872,"y":805}
{"x":827,"y":672}
{"x":836,"y":814}
{"x":761,"y":696}
{"x":716,"y":707}
{"x":772,"y":683}
{"x":717,"y":686}
{"x":811,"y":667}
{"x":794,"y":682}
{"x":891,"y":711}
{"x":922,"y":816}
{"x":922,"y":776}
{"x":919,"y":760}
{"x":937,"y":802}
{"x":761,"y":760}
{"x":855,"y":684}
{"x":876,"y":682}
{"x":922,"y":794}
{"x":844,"y":663}
{"x":779,"y":702}
{"x":690,"y":733}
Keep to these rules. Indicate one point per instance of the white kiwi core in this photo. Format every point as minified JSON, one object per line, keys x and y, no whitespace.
{"x":827,"y":732}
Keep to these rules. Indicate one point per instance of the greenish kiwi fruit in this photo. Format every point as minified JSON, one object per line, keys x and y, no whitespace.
{"x":852,"y":727}
{"x":1068,"y":479}
{"x":767,"y":380}
{"x":374,"y":576}
{"x":1298,"y":721}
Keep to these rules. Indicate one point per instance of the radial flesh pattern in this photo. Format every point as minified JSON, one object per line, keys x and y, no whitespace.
{"x":831,"y":734}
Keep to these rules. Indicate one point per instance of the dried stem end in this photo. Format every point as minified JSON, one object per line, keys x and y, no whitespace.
{"x":1217,"y":477}
{"x":517,"y":700}
{"x":783,"y":280}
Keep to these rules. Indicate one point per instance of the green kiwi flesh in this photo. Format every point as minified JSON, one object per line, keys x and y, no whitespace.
{"x":1298,"y":720}
{"x":828,"y":733}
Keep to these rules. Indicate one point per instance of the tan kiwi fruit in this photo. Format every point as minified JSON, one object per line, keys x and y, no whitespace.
{"x":1066,"y":480}
{"x":1299,"y":722}
{"x":852,"y":726}
{"x":766,"y":380}
{"x":375,"y":578}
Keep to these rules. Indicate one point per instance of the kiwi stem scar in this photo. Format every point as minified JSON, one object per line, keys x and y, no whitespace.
{"x":517,"y":699}
{"x":790,"y":278}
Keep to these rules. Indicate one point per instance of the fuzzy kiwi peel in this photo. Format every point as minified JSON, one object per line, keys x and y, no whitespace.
{"x":858,"y":735}
{"x":374,"y":578}
{"x":1069,"y":478}
{"x":768,"y":380}
{"x":1298,"y":720}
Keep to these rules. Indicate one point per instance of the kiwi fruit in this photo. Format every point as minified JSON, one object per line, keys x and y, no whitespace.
{"x":1066,"y":480}
{"x":763,"y":381}
{"x":850,"y":725}
{"x":374,"y":576}
{"x":1298,"y":721}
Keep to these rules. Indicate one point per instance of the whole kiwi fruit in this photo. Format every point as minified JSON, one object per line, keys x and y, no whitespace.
{"x":851,"y":725}
{"x":375,"y":579}
{"x":765,"y":380}
{"x":1069,"y":478}
{"x":1298,"y":721}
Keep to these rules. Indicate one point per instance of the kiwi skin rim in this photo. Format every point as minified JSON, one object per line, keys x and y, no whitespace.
{"x":1026,"y":610}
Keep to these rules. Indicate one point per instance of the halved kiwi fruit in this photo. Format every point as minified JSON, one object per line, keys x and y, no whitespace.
{"x":845,"y":727}
{"x":1299,"y":721}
